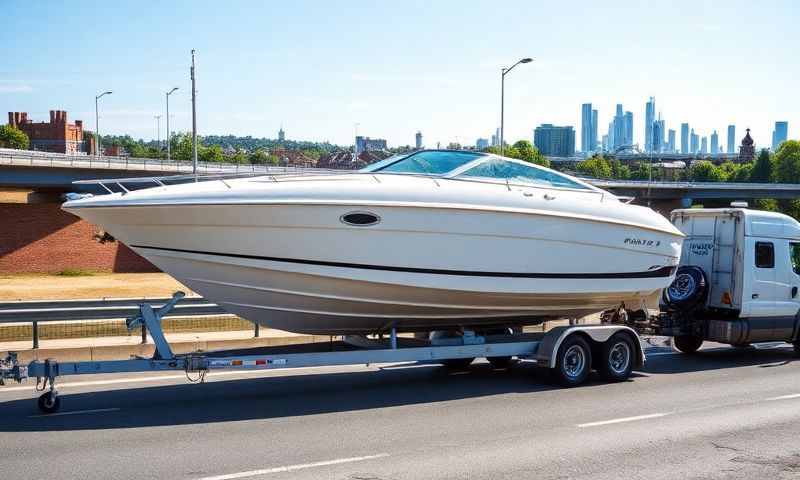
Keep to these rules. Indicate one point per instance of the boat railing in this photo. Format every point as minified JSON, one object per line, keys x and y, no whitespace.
{"x":127,"y":184}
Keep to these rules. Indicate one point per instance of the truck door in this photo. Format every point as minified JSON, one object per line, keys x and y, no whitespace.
{"x":787,"y":298}
{"x":761,"y":300}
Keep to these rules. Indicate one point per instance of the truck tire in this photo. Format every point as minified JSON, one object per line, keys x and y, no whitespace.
{"x":573,"y":362}
{"x":687,"y":290}
{"x":687,"y":343}
{"x":797,"y":348}
{"x":616,"y":358}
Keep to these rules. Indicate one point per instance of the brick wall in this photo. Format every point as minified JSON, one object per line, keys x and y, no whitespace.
{"x":42,"y":238}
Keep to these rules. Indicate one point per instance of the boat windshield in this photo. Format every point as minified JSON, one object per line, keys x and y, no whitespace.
{"x":498,"y":169}
{"x":430,"y":162}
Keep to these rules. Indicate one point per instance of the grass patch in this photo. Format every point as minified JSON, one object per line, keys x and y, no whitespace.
{"x":74,"y":272}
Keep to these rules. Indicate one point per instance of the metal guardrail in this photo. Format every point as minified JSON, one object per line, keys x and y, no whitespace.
{"x":35,"y":312}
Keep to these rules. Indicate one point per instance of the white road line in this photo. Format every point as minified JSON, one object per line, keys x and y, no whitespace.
{"x":75,"y":412}
{"x":784,"y":397}
{"x":623,"y":420}
{"x":291,"y":468}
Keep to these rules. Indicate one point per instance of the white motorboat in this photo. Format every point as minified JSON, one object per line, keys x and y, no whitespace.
{"x":430,"y":240}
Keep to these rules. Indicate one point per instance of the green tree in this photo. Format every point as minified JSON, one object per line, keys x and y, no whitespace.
{"x":763,"y":168}
{"x":12,"y":137}
{"x":620,"y":171}
{"x":787,"y":162}
{"x":524,"y":150}
{"x":705,"y":171}
{"x":595,"y":167}
{"x":212,"y":154}
{"x":743,"y":173}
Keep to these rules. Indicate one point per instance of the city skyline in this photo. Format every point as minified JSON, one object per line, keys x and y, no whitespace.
{"x":250,"y":80}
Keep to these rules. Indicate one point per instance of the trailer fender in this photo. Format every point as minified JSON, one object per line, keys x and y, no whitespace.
{"x":546,"y":354}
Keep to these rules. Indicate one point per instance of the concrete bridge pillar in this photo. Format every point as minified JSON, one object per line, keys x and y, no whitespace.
{"x":667,"y":205}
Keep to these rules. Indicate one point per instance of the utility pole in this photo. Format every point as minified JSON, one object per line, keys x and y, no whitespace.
{"x":194,"y":120}
{"x":503,"y":72}
{"x":97,"y":143}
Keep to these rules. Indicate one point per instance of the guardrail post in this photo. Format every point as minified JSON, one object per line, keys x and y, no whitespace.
{"x":257,"y":330}
{"x":144,"y":334}
{"x":35,"y":334}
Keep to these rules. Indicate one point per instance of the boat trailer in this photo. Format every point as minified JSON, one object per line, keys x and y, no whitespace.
{"x":570,"y":352}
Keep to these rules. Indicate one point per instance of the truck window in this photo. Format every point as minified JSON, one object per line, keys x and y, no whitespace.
{"x":795,"y":257}
{"x":765,"y":255}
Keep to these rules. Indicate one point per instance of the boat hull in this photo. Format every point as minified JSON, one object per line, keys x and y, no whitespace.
{"x":297,"y":267}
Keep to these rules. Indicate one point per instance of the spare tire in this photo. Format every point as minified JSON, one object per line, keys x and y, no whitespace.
{"x":687,"y":290}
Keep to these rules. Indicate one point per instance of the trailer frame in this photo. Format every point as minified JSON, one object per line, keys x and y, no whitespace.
{"x":565,"y":350}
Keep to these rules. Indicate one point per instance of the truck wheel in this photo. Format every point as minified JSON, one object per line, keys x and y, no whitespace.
{"x":688,"y":288}
{"x":616,"y":362}
{"x":687,"y":343}
{"x":797,"y":348}
{"x":49,"y":402}
{"x":573,"y":362}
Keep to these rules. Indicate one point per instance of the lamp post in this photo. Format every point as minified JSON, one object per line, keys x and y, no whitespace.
{"x":503,"y":73}
{"x":158,"y":131}
{"x":169,"y":138}
{"x":98,"y":144}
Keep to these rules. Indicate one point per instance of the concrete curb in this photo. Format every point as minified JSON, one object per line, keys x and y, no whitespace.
{"x":124,"y":352}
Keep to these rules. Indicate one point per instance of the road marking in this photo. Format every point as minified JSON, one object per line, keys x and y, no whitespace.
{"x":624,"y":419}
{"x":291,"y":468}
{"x":784,"y":397}
{"x":75,"y":412}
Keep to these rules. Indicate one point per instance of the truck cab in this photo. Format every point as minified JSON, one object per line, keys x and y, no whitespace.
{"x":738,"y":279}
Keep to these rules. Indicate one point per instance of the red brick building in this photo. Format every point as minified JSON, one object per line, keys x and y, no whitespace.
{"x":42,"y":238}
{"x":57,"y":136}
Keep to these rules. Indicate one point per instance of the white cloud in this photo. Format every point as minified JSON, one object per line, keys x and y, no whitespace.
{"x":15,"y":88}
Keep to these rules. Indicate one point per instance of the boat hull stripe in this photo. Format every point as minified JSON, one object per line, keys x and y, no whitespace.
{"x":655,"y":273}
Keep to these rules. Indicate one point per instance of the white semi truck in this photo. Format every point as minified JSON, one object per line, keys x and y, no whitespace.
{"x":737,"y":282}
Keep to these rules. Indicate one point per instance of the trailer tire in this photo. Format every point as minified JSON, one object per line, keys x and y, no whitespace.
{"x":616,"y":358}
{"x":687,"y":343}
{"x":688,"y":288}
{"x":49,"y":402}
{"x":573,"y":362}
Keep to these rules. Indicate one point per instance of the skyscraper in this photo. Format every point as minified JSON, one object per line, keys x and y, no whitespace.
{"x":684,"y":138}
{"x":662,"y":129}
{"x":655,"y":135}
{"x":694,"y":142}
{"x":555,"y":141}
{"x":594,"y":130}
{"x":619,"y":127}
{"x":587,"y":128}
{"x":731,"y":139}
{"x":649,"y":118}
{"x":704,"y":145}
{"x":714,"y":143}
{"x":779,"y":135}
{"x":418,"y":140}
{"x":671,"y":141}
{"x":628,"y":128}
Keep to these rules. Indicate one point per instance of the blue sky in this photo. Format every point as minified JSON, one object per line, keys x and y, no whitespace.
{"x":320,"y":67}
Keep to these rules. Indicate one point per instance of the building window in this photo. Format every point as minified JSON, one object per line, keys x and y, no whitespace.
{"x":765,"y":255}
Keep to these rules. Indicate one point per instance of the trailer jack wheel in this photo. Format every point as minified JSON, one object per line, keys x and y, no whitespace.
{"x":49,"y":402}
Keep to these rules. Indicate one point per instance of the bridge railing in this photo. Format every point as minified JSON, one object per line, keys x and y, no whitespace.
{"x":59,"y":160}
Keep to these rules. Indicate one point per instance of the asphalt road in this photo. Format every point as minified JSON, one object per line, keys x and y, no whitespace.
{"x":724,"y":414}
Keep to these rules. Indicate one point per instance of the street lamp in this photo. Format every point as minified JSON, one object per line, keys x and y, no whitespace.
{"x":169,"y":139}
{"x":158,"y":132}
{"x":503,"y":73}
{"x":97,"y":123}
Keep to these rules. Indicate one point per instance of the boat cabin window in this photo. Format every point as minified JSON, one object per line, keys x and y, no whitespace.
{"x":430,"y":162}
{"x":498,"y":169}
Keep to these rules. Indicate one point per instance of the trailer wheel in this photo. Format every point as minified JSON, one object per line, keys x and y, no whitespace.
{"x":687,"y":343}
{"x":49,"y":402}
{"x":573,"y":362}
{"x":616,"y":361}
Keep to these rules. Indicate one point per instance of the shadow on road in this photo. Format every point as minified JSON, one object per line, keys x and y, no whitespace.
{"x":304,"y":394}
